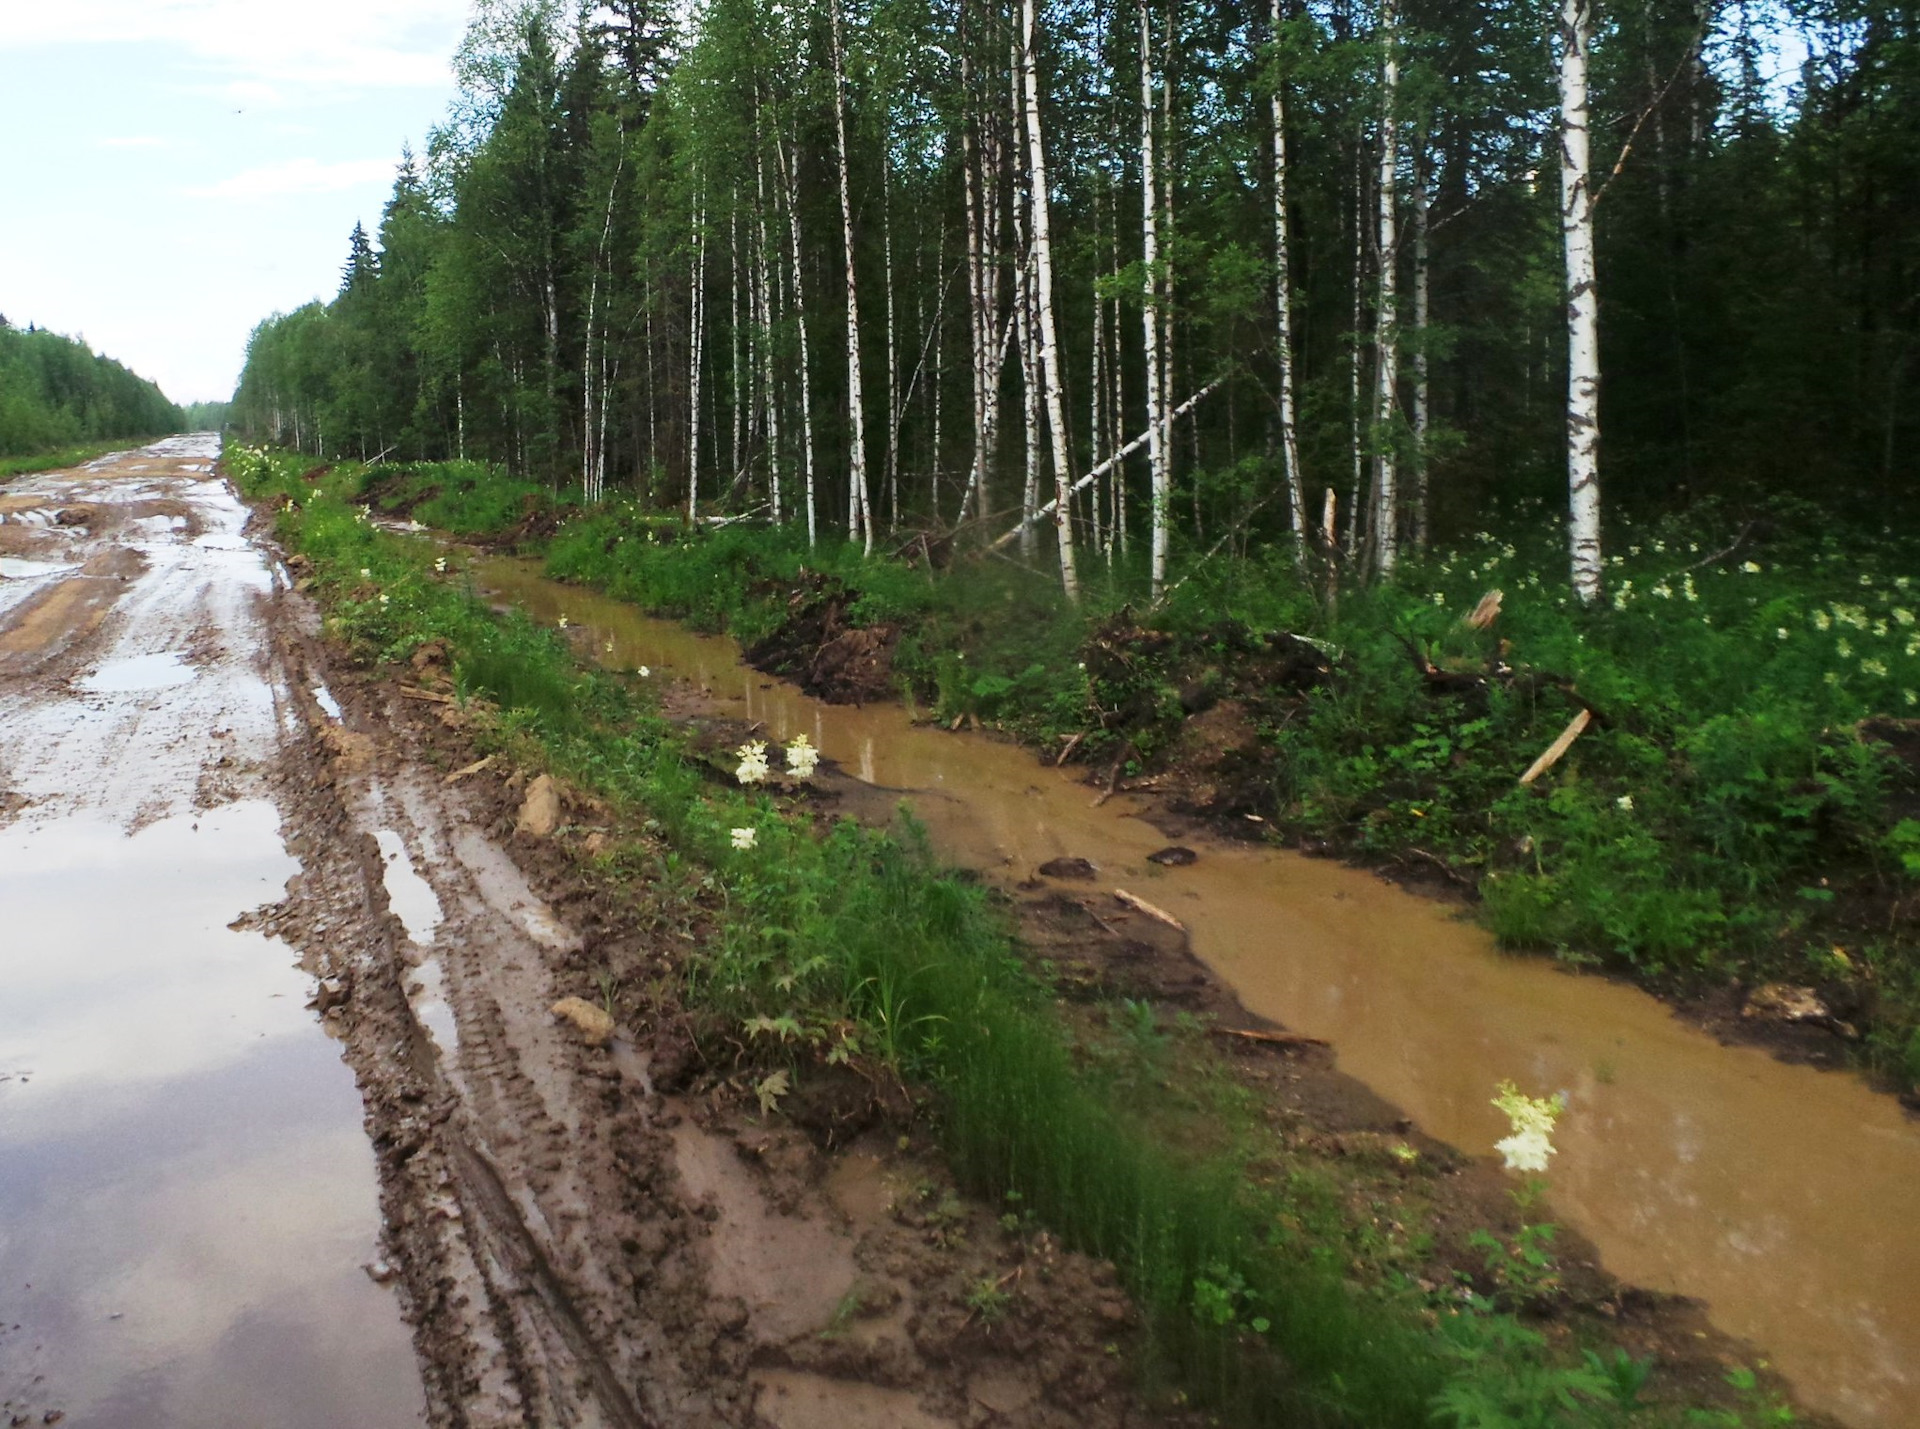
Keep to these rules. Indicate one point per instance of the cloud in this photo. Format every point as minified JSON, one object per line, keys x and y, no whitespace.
{"x":133,"y":141}
{"x":299,"y":176}
{"x":358,"y":43}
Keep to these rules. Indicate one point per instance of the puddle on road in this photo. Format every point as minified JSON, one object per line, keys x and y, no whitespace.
{"x":14,"y":569}
{"x":189,"y":1194}
{"x":1774,"y":1193}
{"x":410,"y":896}
{"x":134,"y":674}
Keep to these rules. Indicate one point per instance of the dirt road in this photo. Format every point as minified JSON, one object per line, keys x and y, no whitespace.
{"x":191,"y":1195}
{"x":188,"y":1196}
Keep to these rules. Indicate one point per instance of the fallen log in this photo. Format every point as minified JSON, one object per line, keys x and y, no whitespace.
{"x":1101,"y":468}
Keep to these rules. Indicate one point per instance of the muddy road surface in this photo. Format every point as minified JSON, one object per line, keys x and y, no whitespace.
{"x":186,"y":1194}
{"x":290,"y":1131}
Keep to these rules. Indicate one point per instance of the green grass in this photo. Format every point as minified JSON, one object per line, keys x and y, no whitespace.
{"x":846,"y":943}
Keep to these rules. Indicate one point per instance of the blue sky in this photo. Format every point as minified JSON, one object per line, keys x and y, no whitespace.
{"x":171,"y":171}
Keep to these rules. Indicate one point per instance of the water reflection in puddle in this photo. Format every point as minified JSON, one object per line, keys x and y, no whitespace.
{"x":137,"y":673}
{"x":410,"y":896}
{"x":188,"y":1192}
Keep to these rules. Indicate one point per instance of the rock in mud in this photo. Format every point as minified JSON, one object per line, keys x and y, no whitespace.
{"x":1075,"y":868}
{"x":1173,"y":856}
{"x":331,"y":993}
{"x":595,"y":1023}
{"x":1783,"y":1002}
{"x":540,"y":810}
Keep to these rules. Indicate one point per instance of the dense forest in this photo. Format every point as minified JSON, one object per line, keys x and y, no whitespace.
{"x":1242,"y":267}
{"x":56,"y":391}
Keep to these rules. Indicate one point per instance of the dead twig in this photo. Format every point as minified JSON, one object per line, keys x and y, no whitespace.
{"x":1067,"y":753}
{"x":1271,"y":1039}
{"x":412,"y":693}
{"x":1140,"y":905}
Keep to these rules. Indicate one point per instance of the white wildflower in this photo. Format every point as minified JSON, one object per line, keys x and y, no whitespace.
{"x":753,"y":762}
{"x":1844,"y":647}
{"x":1820,"y":621}
{"x":1664,"y":591}
{"x":1873,"y":667}
{"x":563,"y":622}
{"x":366,"y":573}
{"x":745,"y":838}
{"x":1910,"y":697}
{"x":1532,"y":1119}
{"x":1624,"y":803}
{"x":1865,"y":579}
{"x":1752,"y":568}
{"x":802,"y":757}
{"x":645,"y":672}
{"x":1902,"y":582}
{"x":383,"y":597}
{"x":1781,"y":632}
{"x":1880,"y":628}
{"x":1902,"y":616}
{"x":1686,"y":588}
{"x":440,"y":566}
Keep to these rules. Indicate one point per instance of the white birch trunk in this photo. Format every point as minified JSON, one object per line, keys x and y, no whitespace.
{"x":893,"y":346}
{"x":859,"y":505}
{"x":1422,"y":316}
{"x":1283,"y":311}
{"x":1351,"y":541}
{"x":790,"y":167}
{"x":1043,"y":307}
{"x":1583,"y":304}
{"x":696,"y":323}
{"x":1386,"y":331}
{"x":764,"y":268}
{"x":1161,"y":487}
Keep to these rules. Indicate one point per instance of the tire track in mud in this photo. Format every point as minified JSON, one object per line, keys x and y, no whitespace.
{"x":481,"y":1179}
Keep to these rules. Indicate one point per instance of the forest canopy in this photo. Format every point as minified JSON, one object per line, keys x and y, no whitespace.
{"x":56,"y":391}
{"x":1206,"y":266}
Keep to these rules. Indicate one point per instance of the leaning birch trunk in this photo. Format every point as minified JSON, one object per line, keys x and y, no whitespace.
{"x":790,"y":168}
{"x":1386,"y":323}
{"x":1283,"y":310}
{"x":1042,"y":292}
{"x":1422,"y":369}
{"x":1583,"y":303}
{"x":1160,"y":487}
{"x":859,"y":505}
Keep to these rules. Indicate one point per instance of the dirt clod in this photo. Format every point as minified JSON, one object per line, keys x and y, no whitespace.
{"x":595,"y":1023}
{"x":540,"y":811}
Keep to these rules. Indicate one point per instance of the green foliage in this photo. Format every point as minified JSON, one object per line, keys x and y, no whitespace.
{"x":57,"y":393}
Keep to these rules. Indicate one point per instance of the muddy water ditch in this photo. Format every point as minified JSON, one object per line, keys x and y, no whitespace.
{"x":187,"y":1197}
{"x":1776,"y":1194}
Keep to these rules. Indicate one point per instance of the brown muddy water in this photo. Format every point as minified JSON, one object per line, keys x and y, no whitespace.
{"x":186,"y":1193}
{"x":1780,"y":1196}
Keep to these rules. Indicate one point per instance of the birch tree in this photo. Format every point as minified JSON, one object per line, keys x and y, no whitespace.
{"x":859,"y":504}
{"x":1583,"y":302}
{"x":1283,"y":298}
{"x":1161,"y":485}
{"x":1043,"y":304}
{"x":1386,"y":330}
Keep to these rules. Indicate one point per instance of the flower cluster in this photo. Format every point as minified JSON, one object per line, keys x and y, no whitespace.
{"x":1531,"y":1119}
{"x":753,"y":762}
{"x":802,"y":757}
{"x":745,"y":838}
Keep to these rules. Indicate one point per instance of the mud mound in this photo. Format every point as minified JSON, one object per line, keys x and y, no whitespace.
{"x":821,"y":651}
